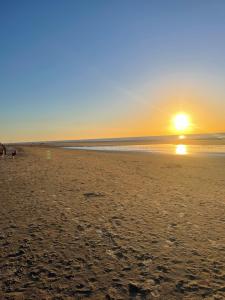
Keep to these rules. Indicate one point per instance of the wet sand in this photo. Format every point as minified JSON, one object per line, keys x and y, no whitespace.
{"x":97,"y":225}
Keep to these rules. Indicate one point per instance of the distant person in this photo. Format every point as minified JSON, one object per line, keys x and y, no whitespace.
{"x":2,"y":150}
{"x":13,"y":153}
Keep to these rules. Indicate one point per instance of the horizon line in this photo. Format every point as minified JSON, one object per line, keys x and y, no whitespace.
{"x":121,"y":138}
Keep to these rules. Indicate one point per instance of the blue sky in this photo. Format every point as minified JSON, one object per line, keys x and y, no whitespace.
{"x":80,"y":69}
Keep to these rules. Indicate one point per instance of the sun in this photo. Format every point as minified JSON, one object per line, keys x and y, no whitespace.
{"x":181,"y":122}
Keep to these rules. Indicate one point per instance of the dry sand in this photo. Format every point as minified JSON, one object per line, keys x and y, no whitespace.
{"x":79,"y":224}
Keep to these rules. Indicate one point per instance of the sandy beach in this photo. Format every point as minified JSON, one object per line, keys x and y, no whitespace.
{"x":97,"y":225}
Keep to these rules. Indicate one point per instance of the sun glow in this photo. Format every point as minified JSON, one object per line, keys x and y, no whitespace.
{"x":181,"y":122}
{"x":181,"y":149}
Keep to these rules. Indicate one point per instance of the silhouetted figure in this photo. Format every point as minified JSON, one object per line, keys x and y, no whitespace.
{"x":2,"y":150}
{"x":14,"y":153}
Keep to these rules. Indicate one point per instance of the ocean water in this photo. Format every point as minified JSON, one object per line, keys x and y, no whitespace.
{"x":180,"y":149}
{"x":140,"y":139}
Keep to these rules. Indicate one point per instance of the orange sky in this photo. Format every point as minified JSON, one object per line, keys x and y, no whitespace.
{"x":146,"y":113}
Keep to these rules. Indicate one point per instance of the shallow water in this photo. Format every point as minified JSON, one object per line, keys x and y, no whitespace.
{"x":180,"y":149}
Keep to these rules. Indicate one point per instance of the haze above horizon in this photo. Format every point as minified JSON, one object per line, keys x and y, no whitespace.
{"x":93,"y":69}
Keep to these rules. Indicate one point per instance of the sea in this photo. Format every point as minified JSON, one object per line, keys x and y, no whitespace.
{"x":209,"y":144}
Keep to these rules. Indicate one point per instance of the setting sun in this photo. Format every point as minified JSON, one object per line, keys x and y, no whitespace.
{"x":181,"y":122}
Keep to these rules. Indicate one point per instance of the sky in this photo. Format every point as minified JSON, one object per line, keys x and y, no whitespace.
{"x":79,"y":69}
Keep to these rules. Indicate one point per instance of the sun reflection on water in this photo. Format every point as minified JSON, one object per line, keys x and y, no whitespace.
{"x":181,"y":149}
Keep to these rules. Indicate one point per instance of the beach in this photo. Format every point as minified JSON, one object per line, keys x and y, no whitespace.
{"x":111,"y":225}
